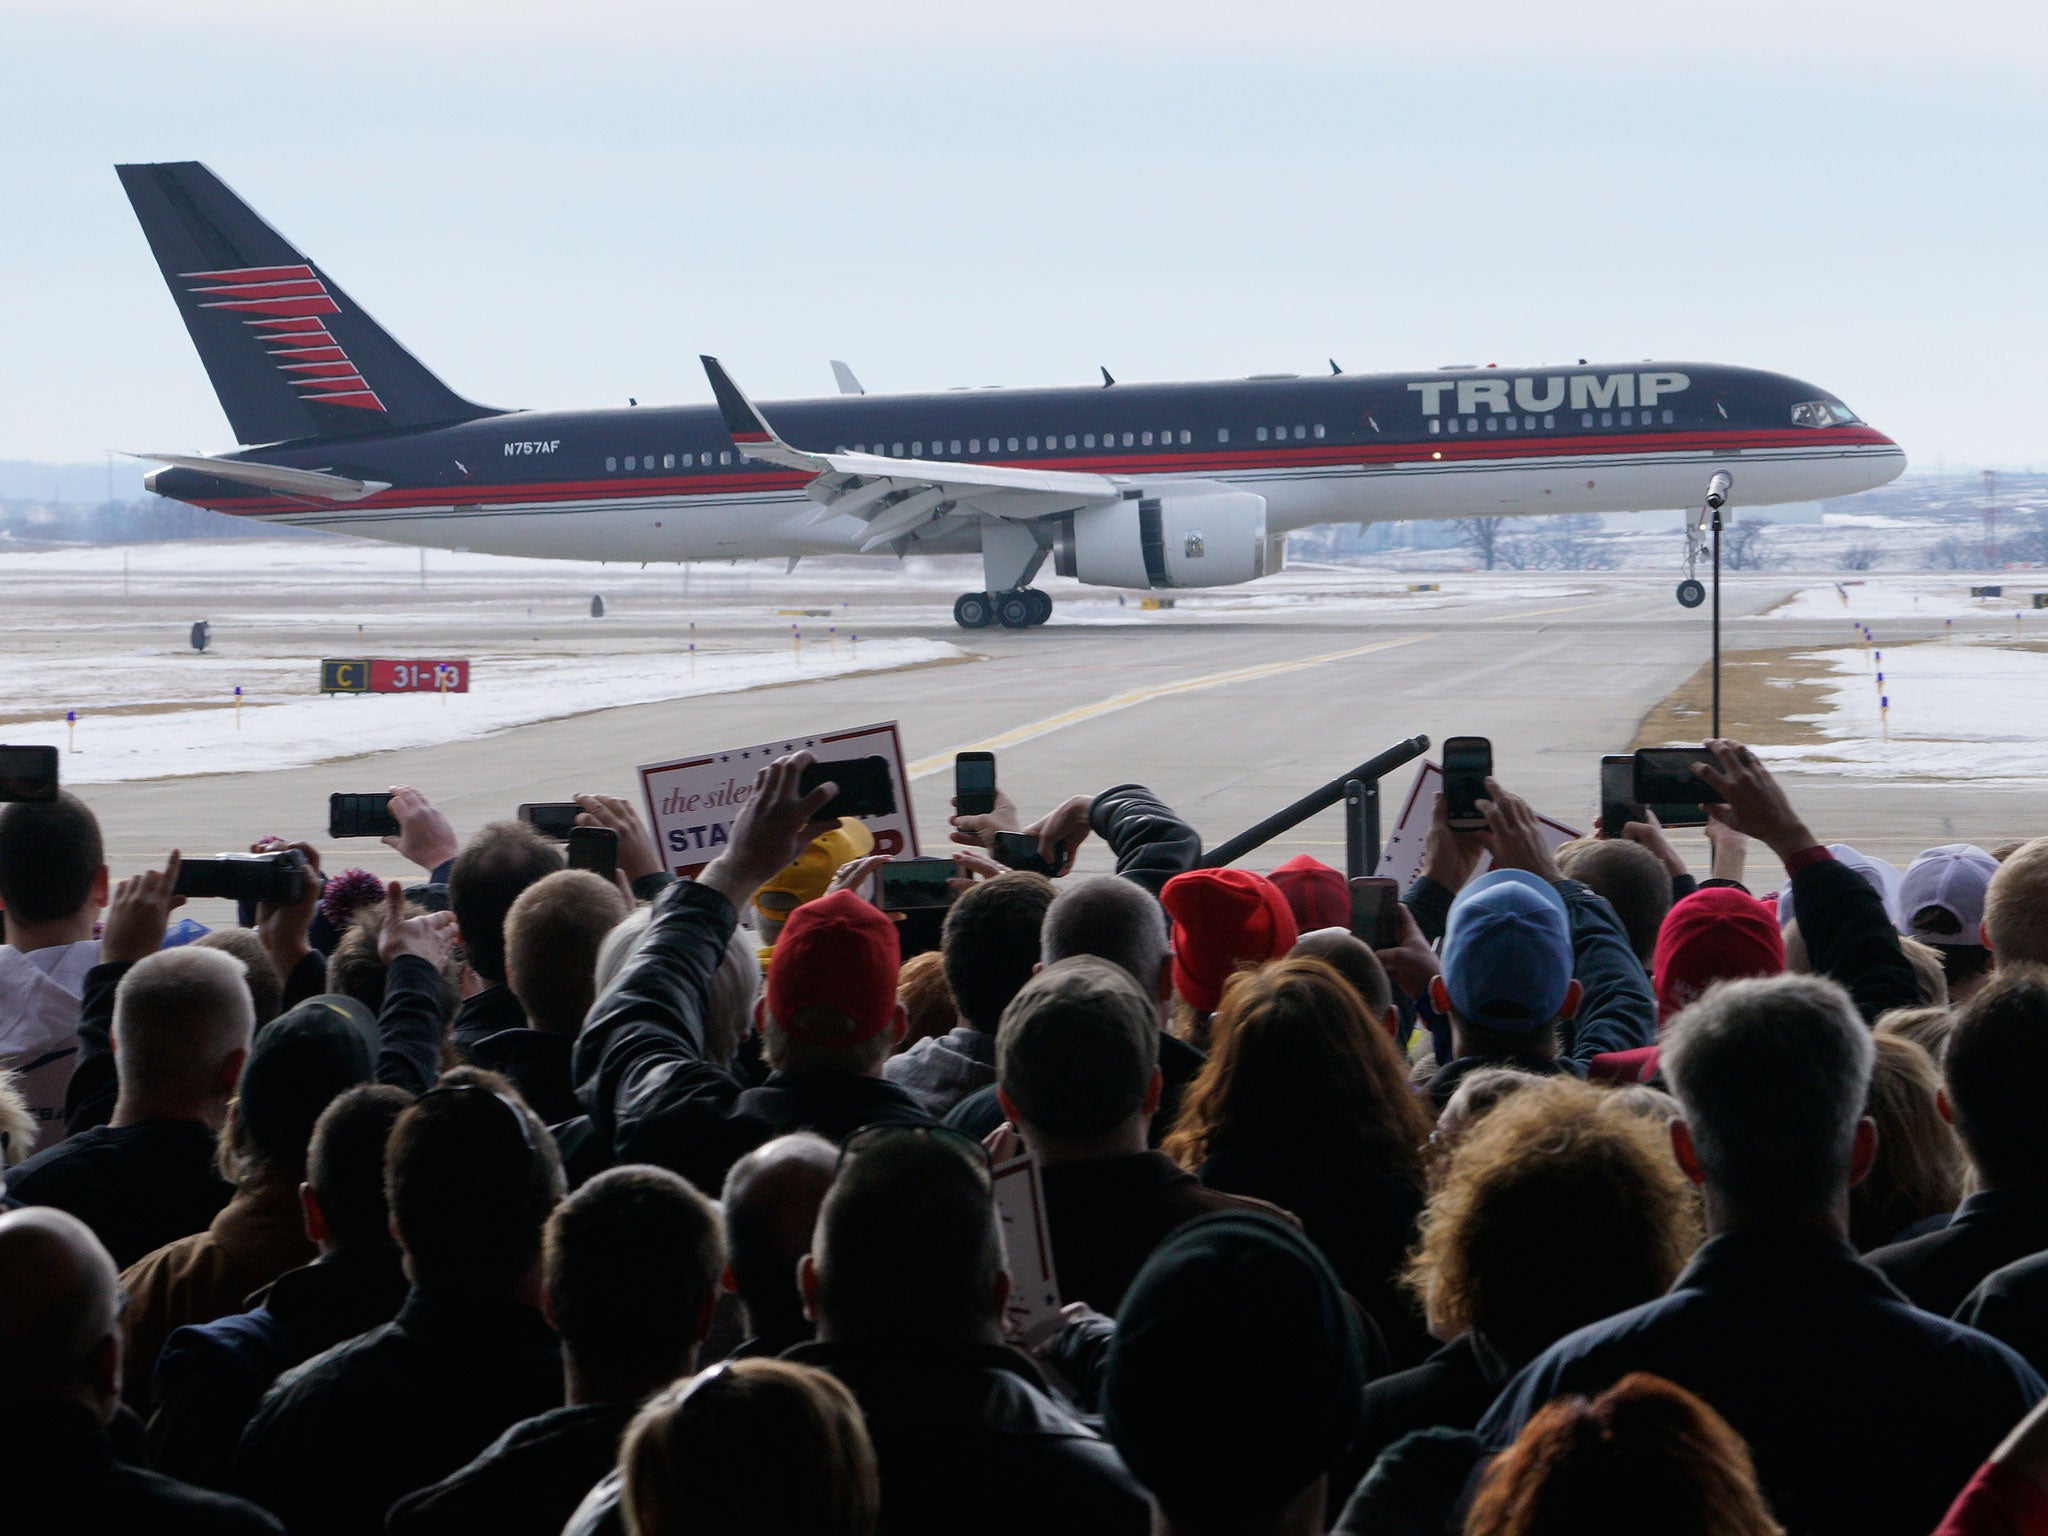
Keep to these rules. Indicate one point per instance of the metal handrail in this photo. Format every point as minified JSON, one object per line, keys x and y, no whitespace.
{"x":1362,"y":831}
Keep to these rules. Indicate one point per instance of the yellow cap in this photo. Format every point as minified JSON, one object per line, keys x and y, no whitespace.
{"x":805,"y":879}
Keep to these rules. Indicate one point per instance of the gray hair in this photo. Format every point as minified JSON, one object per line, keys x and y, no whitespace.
{"x":178,"y":1015}
{"x":1772,"y":1074}
{"x":728,"y":1007}
{"x":1112,"y":919}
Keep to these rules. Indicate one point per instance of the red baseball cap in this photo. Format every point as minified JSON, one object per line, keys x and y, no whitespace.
{"x":1222,"y":919}
{"x":837,"y":952}
{"x":1317,"y":895}
{"x":1718,"y":934}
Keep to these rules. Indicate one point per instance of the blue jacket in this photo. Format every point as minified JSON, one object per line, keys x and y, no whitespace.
{"x":1865,"y":1415}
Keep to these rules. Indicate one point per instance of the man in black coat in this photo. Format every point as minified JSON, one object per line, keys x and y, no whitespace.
{"x":1865,"y":1414}
{"x":472,"y":1176}
{"x":1996,"y":1073}
{"x":60,"y":1357}
{"x":163,"y":1035}
{"x":210,"y":1376}
{"x":906,"y":1282}
{"x":630,"y":1274}
{"x":829,"y":1018}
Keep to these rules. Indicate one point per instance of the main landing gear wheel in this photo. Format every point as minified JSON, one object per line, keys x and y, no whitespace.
{"x":974,"y":610}
{"x":1017,"y":610}
{"x":1041,"y":605}
{"x":1691,"y":593}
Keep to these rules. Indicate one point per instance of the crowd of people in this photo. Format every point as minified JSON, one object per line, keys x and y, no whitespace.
{"x":1608,"y":1198}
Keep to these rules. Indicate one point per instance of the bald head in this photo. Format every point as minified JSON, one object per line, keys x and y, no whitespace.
{"x":182,"y":1022}
{"x":60,"y":1311}
{"x":771,"y":1202}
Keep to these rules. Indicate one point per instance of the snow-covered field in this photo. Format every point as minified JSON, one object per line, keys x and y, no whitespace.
{"x":1917,"y":597}
{"x":285,"y":723}
{"x":1967,"y":709}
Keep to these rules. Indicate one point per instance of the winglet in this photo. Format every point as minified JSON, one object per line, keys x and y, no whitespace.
{"x":747,"y":426}
{"x":848,"y":384}
{"x":1106,"y":379}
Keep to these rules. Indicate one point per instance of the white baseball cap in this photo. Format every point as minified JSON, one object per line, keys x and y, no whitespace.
{"x":1941,"y":898}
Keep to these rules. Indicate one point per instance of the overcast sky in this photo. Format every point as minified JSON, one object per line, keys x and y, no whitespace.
{"x":562,"y":205}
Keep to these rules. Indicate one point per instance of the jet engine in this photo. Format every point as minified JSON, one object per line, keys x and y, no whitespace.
{"x":1185,"y":538}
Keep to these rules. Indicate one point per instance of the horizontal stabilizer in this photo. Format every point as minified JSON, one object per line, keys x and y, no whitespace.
{"x":272,"y":477}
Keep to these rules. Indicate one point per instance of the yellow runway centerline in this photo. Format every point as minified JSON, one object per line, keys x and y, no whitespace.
{"x":1010,"y":738}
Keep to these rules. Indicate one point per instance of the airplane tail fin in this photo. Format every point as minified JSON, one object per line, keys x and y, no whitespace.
{"x":290,"y":355}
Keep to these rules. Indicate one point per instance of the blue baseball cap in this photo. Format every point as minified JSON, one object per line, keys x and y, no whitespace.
{"x":1507,"y":953}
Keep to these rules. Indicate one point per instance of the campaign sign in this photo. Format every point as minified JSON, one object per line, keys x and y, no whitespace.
{"x":1027,"y":1247}
{"x":371,"y":676}
{"x":693,"y":801}
{"x":1401,"y":857}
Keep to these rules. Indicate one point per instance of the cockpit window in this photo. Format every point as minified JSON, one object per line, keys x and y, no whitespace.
{"x":1822,"y":413}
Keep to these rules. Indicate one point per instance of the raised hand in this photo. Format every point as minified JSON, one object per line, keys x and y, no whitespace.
{"x":429,"y":935}
{"x":777,"y":823}
{"x":637,"y":853}
{"x":1515,"y":835}
{"x":424,"y":834}
{"x":1753,"y":802}
{"x":139,"y":913}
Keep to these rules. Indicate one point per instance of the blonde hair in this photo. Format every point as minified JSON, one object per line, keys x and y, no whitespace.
{"x":2016,"y":906}
{"x":754,"y":1447}
{"x":1927,"y":970}
{"x":1928,"y":1028}
{"x":18,"y":1128}
{"x":1556,"y":1211}
{"x":1920,"y":1167}
{"x":553,"y":931}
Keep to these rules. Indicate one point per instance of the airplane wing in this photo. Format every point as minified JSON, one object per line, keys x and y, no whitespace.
{"x":273,"y":477}
{"x":898,"y":497}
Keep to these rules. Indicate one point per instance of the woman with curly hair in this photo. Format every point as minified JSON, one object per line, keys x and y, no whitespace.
{"x":1642,"y":1456}
{"x":1303,"y":1102}
{"x":1558,"y":1209}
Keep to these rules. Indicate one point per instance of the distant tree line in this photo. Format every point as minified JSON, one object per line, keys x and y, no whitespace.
{"x":151,"y":519}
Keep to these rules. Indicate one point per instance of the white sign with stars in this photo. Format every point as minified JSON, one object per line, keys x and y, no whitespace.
{"x":693,"y":801}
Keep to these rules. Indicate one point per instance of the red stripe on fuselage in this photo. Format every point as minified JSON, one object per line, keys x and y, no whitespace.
{"x":1452,"y":451}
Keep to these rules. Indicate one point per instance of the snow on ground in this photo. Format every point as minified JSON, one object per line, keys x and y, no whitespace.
{"x":284,"y":732}
{"x":1913,"y":597}
{"x":1960,"y":710}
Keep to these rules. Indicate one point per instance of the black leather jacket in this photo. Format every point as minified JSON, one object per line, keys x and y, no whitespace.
{"x":652,"y":1094}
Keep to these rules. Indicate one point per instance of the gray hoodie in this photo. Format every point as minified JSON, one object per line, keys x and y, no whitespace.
{"x":39,"y":1024}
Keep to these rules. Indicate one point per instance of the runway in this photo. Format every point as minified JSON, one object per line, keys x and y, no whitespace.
{"x":1229,"y":712}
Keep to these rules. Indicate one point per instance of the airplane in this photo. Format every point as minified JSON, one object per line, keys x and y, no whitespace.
{"x":1133,"y":486}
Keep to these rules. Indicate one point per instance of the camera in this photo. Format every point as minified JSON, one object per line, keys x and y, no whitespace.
{"x":277,"y":879}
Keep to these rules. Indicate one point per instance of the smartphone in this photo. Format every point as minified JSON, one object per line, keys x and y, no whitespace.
{"x":1376,"y":911}
{"x":255,"y":877}
{"x":1618,"y":803}
{"x":361,"y":815}
{"x":1019,"y":850}
{"x":865,"y":788}
{"x":1664,"y":776}
{"x":595,"y":849}
{"x":974,"y":783}
{"x":28,"y":773}
{"x":1468,"y":763}
{"x":551,"y":818}
{"x":912,"y":883}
